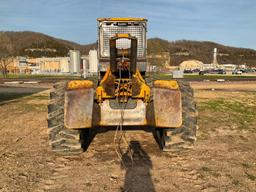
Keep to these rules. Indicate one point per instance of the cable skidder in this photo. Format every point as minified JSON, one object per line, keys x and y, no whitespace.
{"x":77,"y":107}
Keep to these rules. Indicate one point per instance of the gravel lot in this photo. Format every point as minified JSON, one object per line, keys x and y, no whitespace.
{"x":223,"y":159}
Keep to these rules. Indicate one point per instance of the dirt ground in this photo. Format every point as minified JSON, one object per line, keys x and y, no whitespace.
{"x":223,"y":158}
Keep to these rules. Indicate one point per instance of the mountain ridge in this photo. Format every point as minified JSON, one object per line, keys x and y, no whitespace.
{"x":35,"y":44}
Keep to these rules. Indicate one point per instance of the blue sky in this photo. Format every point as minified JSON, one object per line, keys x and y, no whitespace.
{"x":230,"y":22}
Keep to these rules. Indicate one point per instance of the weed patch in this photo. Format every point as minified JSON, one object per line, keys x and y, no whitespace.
{"x":240,"y":114}
{"x":23,"y":107}
{"x":210,"y":171}
{"x":12,"y":96}
{"x":250,"y":176}
{"x":41,"y":97}
{"x":235,"y":182}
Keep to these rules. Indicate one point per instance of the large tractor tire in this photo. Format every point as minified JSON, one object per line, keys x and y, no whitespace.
{"x":177,"y":139}
{"x":62,"y":140}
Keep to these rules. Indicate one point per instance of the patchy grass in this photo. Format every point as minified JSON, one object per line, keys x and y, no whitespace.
{"x":246,"y":165}
{"x":35,"y":107}
{"x":218,"y":76}
{"x":235,"y":182}
{"x":250,"y":176}
{"x":41,"y":97}
{"x":206,"y":169}
{"x":241,"y":114}
{"x":12,"y":96}
{"x":210,"y":171}
{"x":25,"y":107}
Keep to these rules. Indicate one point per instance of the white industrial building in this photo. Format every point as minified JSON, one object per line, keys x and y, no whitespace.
{"x":74,"y":64}
{"x":93,"y":62}
{"x":75,"y":61}
{"x":85,"y":64}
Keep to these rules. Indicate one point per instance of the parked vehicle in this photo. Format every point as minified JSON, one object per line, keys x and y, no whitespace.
{"x":188,"y":71}
{"x":237,"y":72}
{"x":196,"y":70}
{"x":212,"y":71}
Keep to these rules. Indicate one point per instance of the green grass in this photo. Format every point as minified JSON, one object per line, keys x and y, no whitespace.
{"x":41,"y":76}
{"x":166,"y":76}
{"x":241,"y":114}
{"x":155,"y":75}
{"x":12,"y":96}
{"x":216,"y":76}
{"x":22,"y":106}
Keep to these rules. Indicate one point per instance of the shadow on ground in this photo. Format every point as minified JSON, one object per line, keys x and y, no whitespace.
{"x":138,"y":165}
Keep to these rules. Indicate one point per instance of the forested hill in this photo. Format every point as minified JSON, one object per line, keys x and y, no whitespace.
{"x":34,"y":44}
{"x":201,"y":50}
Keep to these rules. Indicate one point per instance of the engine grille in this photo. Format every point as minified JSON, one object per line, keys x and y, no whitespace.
{"x":108,"y":31}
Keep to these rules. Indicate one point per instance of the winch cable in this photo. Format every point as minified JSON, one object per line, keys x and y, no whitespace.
{"x":119,"y":127}
{"x":123,"y":132}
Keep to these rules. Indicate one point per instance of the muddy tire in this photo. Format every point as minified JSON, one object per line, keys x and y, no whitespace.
{"x":177,"y":139}
{"x":62,"y":140}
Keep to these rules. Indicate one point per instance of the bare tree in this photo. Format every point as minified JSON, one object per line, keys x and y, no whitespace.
{"x":5,"y":62}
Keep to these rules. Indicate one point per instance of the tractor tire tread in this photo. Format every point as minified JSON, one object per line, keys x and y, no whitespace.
{"x":183,"y":138}
{"x":62,"y":140}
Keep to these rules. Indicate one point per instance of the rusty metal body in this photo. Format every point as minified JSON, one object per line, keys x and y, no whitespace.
{"x":111,"y":116}
{"x":167,"y":104}
{"x":122,"y":95}
{"x":162,"y":110}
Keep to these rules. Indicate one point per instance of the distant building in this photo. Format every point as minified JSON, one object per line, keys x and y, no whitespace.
{"x":229,"y":67}
{"x":53,"y":64}
{"x":93,"y":62}
{"x":85,"y":65}
{"x":73,"y":64}
{"x":20,"y":65}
